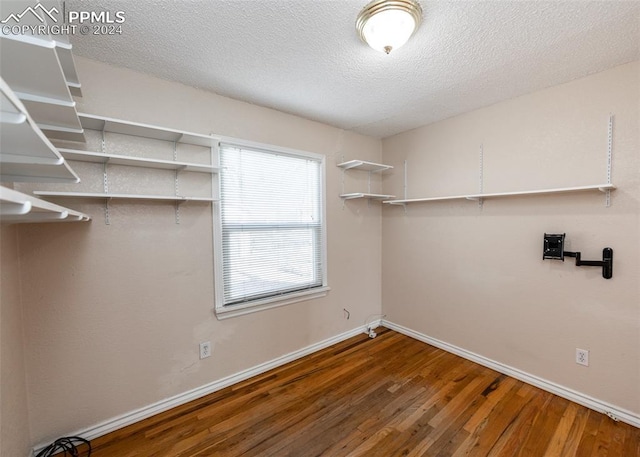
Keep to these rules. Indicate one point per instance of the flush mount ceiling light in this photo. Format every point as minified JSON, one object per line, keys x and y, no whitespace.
{"x":385,"y":25}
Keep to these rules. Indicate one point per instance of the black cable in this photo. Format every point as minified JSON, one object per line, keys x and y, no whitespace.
{"x":68,"y":445}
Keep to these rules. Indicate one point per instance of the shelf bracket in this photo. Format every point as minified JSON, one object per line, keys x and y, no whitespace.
{"x":107,"y":220}
{"x":480,"y":200}
{"x":405,"y":186}
{"x":105,"y":177}
{"x":369,"y":190}
{"x":342,"y":173}
{"x":105,"y":185}
{"x":607,"y":192}
{"x":175,"y":159}
{"x":177,"y":201}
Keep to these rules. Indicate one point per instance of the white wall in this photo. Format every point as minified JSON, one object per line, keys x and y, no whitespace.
{"x":14,"y":424}
{"x":475,"y":277}
{"x":114,"y":313}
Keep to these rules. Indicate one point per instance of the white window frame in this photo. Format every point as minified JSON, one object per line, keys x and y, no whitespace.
{"x":240,"y":309}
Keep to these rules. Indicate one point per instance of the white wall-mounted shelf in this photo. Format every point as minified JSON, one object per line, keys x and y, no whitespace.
{"x":476,"y":197}
{"x":479,"y":197}
{"x":18,"y":207}
{"x":52,"y":114}
{"x":364,"y":166}
{"x":366,"y":195}
{"x":98,"y":157}
{"x":370,"y":167}
{"x":33,"y":68}
{"x":65,"y":56}
{"x":106,"y":124}
{"x":26,"y":154}
{"x":107,"y":196}
{"x":180,"y":141}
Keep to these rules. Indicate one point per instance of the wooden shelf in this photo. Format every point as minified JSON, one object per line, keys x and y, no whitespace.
{"x":597,"y":187}
{"x":106,"y":124}
{"x":364,"y":166}
{"x":17,"y":207}
{"x":96,"y":195}
{"x":26,"y":153}
{"x":366,"y":195}
{"x":97,"y":157}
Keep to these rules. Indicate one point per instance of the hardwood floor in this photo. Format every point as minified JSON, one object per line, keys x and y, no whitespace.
{"x":391,"y":396}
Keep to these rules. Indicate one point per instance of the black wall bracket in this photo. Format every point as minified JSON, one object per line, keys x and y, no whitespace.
{"x":554,"y":249}
{"x":606,"y":263}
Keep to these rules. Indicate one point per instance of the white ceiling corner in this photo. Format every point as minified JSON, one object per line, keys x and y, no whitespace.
{"x":304,"y":57}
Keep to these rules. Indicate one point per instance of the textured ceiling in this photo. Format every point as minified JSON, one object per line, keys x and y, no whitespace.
{"x":304,"y":57}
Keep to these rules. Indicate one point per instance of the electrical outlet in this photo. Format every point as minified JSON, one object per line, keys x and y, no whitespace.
{"x":582,"y":357}
{"x":612,"y":416}
{"x":205,"y":349}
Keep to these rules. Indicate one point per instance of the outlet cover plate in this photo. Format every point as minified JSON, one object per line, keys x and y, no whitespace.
{"x":205,"y":349}
{"x":582,"y":357}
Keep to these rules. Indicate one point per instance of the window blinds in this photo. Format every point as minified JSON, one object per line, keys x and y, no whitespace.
{"x":271,"y":214}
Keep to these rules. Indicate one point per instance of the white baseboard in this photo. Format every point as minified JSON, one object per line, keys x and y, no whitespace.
{"x":612,"y":411}
{"x":137,"y":415}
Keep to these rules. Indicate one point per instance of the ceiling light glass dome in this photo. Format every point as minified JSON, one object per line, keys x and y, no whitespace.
{"x":385,"y":25}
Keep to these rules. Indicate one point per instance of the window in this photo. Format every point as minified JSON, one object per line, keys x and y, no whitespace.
{"x":271,"y":246}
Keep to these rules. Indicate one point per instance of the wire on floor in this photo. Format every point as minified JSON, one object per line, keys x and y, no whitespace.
{"x":69,"y":445}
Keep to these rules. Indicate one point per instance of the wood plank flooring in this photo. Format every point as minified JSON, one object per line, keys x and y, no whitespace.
{"x":390,"y":396}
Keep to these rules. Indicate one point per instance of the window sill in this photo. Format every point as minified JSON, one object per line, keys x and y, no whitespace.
{"x":261,"y":305}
